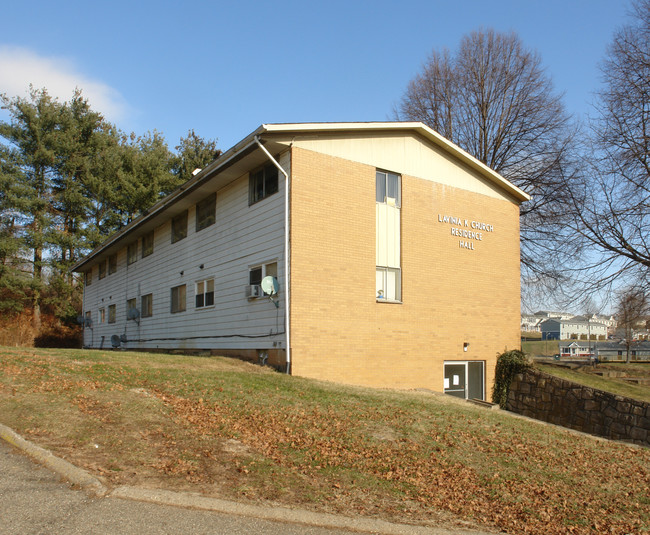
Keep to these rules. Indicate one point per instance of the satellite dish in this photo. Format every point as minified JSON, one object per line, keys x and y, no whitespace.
{"x":270,"y":285}
{"x":123,"y":338}
{"x":133,"y":314}
{"x":81,"y":320}
{"x":115,"y":341}
{"x":88,"y":322}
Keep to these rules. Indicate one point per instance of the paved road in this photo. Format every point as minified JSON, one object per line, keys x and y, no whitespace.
{"x":34,"y":501}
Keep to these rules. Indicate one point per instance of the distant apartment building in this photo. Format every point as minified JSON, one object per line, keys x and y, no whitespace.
{"x":577,"y":327}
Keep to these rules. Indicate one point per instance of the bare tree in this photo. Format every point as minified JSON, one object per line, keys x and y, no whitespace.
{"x":632,"y":308}
{"x":613,"y":211}
{"x":493,"y":99}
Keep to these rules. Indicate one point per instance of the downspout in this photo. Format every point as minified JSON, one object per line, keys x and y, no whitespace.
{"x":286,"y":251}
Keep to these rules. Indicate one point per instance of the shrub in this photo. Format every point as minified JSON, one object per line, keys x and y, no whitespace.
{"x":509,"y":364}
{"x":60,"y":336}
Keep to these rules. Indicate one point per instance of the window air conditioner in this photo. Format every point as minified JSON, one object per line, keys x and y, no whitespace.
{"x":253,"y":290}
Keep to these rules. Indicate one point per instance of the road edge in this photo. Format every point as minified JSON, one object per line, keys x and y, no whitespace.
{"x":82,"y":479}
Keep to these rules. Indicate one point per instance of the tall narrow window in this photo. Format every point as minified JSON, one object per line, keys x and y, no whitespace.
{"x":102,"y":315}
{"x":131,"y":304}
{"x":146,"y":305}
{"x":132,"y":252}
{"x":147,"y":244}
{"x":112,"y":264}
{"x":178,"y":299}
{"x":102,"y":269}
{"x":262,"y":183}
{"x":255,"y":275}
{"x":388,"y":285}
{"x":205,"y":212}
{"x":205,"y":293}
{"x":112,"y":313}
{"x":88,"y":277}
{"x":179,"y":227}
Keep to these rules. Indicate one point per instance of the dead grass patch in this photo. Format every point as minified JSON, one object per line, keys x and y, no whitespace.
{"x":237,"y":431}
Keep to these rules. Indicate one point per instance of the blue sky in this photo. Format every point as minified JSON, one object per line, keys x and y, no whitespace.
{"x":224,"y":68}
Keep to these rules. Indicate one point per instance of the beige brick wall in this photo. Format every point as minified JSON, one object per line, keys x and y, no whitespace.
{"x":450,"y":295}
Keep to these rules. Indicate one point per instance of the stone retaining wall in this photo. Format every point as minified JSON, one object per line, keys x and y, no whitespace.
{"x":541,"y":396}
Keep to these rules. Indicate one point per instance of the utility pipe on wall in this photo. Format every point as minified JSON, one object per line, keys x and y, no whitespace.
{"x":286,"y":249}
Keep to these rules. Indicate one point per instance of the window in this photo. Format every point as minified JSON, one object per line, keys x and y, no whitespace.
{"x":146,"y":306}
{"x":88,"y":277}
{"x":179,"y":227}
{"x":205,"y":212}
{"x":388,"y":188}
{"x":102,"y":315}
{"x":112,"y":312}
{"x":257,"y":273}
{"x":102,"y":269}
{"x":112,"y":264}
{"x":388,"y":283}
{"x":147,"y":244}
{"x":178,"y":299}
{"x":89,"y":318}
{"x":132,"y":253}
{"x":205,"y":293}
{"x":131,"y":304}
{"x":262,"y":183}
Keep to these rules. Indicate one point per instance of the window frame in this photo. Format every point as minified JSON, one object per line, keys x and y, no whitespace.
{"x":132,"y":253}
{"x":102,"y":269}
{"x":398,"y":284}
{"x":88,"y":277}
{"x":179,"y":233}
{"x":102,"y":315}
{"x":112,"y":263}
{"x":385,"y":175}
{"x":147,"y":247}
{"x":177,"y":300}
{"x":112,"y":313}
{"x":131,"y":304}
{"x":206,"y":212}
{"x":268,"y":176}
{"x":146,"y":307}
{"x":205,"y":298}
{"x":264,"y":270}
{"x":389,"y":182}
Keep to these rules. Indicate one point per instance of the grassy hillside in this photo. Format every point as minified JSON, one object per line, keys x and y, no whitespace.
{"x":237,"y":431}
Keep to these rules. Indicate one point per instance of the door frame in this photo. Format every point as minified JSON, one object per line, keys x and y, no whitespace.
{"x":464,"y":363}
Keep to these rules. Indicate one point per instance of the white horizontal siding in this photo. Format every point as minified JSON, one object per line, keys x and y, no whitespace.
{"x":242,"y":236}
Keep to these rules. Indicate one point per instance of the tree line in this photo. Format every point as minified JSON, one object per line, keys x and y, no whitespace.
{"x":587,"y":227}
{"x":68,"y":179}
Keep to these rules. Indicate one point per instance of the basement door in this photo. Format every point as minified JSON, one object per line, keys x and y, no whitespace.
{"x":465,"y":379}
